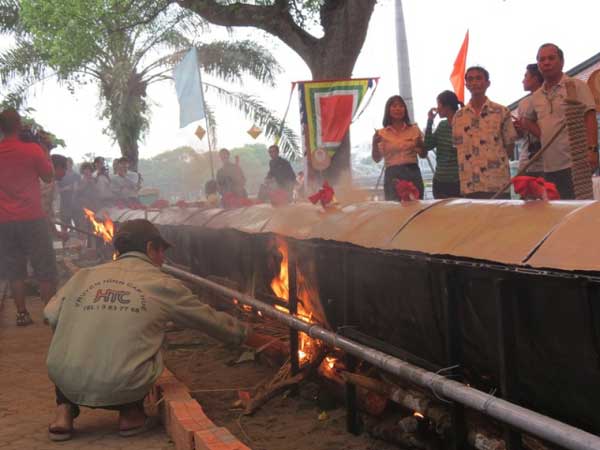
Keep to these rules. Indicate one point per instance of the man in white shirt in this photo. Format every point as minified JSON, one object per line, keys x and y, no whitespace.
{"x":547,"y":113}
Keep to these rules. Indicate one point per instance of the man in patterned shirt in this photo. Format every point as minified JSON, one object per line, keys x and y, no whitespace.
{"x":484,"y":137}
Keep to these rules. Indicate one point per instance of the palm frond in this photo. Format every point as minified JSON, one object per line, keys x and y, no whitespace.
{"x":9,"y":17}
{"x":252,"y":107}
{"x":23,"y":62}
{"x":231,"y":60}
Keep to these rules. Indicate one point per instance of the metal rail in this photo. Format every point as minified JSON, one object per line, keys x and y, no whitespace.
{"x":524,"y":419}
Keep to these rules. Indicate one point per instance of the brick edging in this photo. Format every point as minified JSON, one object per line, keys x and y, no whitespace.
{"x":184,"y":419}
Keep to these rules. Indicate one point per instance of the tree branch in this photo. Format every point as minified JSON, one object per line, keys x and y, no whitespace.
{"x":274,"y":19}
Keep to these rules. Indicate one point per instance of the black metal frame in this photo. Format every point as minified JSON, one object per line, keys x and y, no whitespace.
{"x":507,"y":353}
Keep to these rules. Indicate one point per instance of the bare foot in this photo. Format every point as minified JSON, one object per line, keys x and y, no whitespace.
{"x":63,"y":418}
{"x":131,"y":417}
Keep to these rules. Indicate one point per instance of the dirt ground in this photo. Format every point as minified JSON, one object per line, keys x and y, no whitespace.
{"x":285,"y":423}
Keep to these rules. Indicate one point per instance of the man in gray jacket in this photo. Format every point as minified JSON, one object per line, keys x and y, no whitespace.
{"x":109,"y":323}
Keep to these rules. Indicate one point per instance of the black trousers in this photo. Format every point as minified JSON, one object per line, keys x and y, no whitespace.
{"x":564,"y":183}
{"x":445,"y":189}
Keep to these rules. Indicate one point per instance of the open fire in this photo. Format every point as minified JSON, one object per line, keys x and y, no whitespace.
{"x":307,"y":347}
{"x":104,"y":229}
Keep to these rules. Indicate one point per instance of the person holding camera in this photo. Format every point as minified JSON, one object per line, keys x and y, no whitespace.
{"x":24,"y":227}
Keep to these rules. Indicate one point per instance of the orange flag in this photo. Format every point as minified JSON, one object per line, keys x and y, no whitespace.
{"x":457,"y":77}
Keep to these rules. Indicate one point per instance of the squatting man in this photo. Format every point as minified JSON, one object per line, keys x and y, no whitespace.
{"x":109,"y":323}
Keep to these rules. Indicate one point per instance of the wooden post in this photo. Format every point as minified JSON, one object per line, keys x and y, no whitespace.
{"x":352,"y":416}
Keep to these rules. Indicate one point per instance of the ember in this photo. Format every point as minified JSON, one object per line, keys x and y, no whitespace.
{"x":105,"y":230}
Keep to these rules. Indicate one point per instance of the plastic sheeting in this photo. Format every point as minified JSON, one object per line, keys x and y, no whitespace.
{"x":574,"y":243}
{"x":507,"y":232}
{"x":500,"y":231}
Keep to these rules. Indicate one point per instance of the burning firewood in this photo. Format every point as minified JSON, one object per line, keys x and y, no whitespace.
{"x":283,"y":381}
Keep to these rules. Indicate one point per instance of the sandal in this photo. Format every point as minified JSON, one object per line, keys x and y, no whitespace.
{"x":149,"y":424}
{"x":24,"y":319}
{"x":60,"y":434}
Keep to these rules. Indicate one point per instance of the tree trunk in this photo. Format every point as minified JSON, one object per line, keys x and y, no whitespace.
{"x":345,"y":24}
{"x":131,"y":152}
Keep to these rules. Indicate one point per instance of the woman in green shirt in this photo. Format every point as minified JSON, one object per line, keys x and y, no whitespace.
{"x":446,"y":183}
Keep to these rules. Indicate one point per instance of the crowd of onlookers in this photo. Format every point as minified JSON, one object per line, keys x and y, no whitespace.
{"x":94,"y":188}
{"x":474,"y":142}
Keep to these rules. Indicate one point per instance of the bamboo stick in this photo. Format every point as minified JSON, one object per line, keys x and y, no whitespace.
{"x":537,"y":156}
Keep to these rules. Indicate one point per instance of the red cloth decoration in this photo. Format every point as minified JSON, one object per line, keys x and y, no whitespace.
{"x":160,"y":204}
{"x":532,"y":188}
{"x":182,"y":204}
{"x":232,"y":201}
{"x":325,"y":195}
{"x":406,"y":191}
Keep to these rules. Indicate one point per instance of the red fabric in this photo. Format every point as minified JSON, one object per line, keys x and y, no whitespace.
{"x":457,"y":77}
{"x":336,"y":115}
{"x":406,"y":191}
{"x":325,"y":195}
{"x":232,"y":201}
{"x":21,"y":166}
{"x":182,"y":204}
{"x":129,"y":204}
{"x":532,"y":188}
{"x":160,"y":204}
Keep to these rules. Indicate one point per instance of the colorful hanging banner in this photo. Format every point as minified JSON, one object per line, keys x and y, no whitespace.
{"x":327,"y":109}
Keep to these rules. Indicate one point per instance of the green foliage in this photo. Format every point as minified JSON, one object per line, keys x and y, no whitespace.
{"x":124,"y":46}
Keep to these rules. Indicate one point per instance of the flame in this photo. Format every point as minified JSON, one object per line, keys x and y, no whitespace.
{"x":281,"y":283}
{"x":280,"y":286}
{"x":106,"y":229}
{"x":247,"y":308}
{"x":418,"y":415}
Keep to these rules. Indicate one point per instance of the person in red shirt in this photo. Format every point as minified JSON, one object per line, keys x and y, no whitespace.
{"x":24,"y":228}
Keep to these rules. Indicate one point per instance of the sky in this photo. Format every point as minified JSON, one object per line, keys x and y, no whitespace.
{"x":504,"y":37}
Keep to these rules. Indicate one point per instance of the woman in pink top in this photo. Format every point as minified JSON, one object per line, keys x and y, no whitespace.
{"x":399,"y":143}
